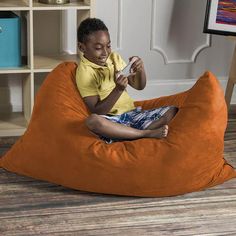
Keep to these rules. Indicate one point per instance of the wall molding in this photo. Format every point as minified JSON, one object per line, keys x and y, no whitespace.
{"x":162,"y":52}
{"x":119,"y":25}
{"x":159,"y":88}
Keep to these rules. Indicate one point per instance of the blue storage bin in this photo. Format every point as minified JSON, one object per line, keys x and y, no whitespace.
{"x":10,"y":39}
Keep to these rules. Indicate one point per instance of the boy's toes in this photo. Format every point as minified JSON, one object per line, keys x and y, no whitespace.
{"x":165,"y":130}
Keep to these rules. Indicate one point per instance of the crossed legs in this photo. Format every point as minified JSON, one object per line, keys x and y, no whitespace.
{"x":106,"y":128}
{"x":165,"y":119}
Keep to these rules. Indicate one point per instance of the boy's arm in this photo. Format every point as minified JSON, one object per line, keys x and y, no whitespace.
{"x":102,"y":107}
{"x":137,"y":79}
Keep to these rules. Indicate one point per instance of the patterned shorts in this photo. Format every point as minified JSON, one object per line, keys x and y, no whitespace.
{"x":137,"y":118}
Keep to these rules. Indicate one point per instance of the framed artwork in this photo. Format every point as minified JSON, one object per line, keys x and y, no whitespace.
{"x":220,"y":17}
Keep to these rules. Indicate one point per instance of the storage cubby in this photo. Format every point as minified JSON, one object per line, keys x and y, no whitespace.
{"x":24,"y":41}
{"x":49,"y":47}
{"x":14,"y":119}
{"x":48,"y":37}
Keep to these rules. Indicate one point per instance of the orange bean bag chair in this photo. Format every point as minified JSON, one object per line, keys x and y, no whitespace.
{"x":58,"y":147}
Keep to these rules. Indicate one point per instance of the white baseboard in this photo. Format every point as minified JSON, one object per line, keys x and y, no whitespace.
{"x":158,"y":88}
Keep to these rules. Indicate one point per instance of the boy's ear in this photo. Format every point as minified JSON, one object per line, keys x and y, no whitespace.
{"x":81,"y":47}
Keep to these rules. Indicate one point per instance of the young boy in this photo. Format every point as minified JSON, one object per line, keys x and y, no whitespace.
{"x":114,"y":116}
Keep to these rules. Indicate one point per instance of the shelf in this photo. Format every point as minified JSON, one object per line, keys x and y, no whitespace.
{"x":8,"y":5}
{"x":13,"y":124}
{"x":72,"y":5}
{"x":44,"y":63}
{"x":15,"y":70}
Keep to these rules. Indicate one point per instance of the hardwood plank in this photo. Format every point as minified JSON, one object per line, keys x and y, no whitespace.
{"x":201,"y":218}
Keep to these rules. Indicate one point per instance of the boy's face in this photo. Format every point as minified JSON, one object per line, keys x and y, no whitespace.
{"x":97,"y":47}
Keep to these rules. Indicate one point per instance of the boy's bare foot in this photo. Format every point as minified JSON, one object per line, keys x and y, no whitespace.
{"x":157,"y":133}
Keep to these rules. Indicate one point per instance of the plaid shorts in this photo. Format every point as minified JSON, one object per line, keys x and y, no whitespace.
{"x":137,"y":118}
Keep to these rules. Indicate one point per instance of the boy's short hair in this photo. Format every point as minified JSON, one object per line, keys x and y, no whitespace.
{"x":89,"y":26}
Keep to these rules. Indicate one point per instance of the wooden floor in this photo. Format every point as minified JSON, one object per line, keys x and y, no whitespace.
{"x":30,"y":207}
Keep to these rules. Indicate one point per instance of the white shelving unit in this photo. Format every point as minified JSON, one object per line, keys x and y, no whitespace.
{"x":44,"y":29}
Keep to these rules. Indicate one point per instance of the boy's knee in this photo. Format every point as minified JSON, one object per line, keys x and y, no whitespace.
{"x":175,"y":110}
{"x":93,"y":122}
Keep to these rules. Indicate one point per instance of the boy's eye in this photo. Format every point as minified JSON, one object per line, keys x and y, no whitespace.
{"x":108,"y":46}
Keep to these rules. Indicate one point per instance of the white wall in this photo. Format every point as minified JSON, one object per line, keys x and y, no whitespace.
{"x":167,"y":34}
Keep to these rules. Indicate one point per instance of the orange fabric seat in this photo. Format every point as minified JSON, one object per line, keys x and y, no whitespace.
{"x":58,"y":147}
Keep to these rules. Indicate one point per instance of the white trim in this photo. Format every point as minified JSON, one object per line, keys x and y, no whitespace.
{"x":158,"y":88}
{"x":119,"y":25}
{"x":200,"y":48}
{"x":158,"y":49}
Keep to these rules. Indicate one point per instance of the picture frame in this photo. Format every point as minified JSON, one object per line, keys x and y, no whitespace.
{"x":220,"y":17}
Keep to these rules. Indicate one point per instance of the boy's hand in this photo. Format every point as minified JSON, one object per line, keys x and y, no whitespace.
{"x":137,"y":65}
{"x":137,"y":78}
{"x":121,"y":82}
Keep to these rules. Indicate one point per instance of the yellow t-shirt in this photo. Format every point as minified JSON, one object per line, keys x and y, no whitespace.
{"x":93,"y":79}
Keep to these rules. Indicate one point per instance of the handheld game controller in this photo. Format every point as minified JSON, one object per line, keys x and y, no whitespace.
{"x":127,"y":70}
